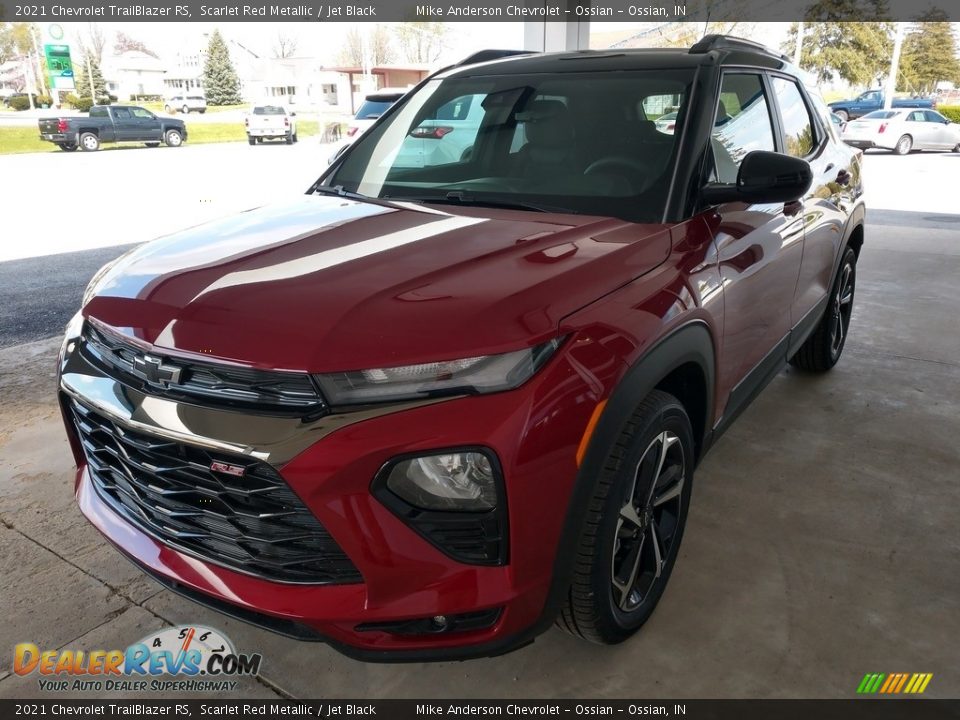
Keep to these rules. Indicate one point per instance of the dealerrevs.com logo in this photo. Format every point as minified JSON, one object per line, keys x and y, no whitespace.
{"x":198,"y":659}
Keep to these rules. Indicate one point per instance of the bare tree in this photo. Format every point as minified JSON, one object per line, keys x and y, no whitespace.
{"x":379,"y":48}
{"x":422,"y":42}
{"x":285,"y":46}
{"x":94,"y":41}
{"x":125,"y":43}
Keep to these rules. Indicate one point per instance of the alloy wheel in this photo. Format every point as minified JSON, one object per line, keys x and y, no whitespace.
{"x":648,"y":522}
{"x":842,"y":307}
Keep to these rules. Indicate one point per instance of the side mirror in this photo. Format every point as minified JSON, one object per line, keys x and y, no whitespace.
{"x":764,"y":177}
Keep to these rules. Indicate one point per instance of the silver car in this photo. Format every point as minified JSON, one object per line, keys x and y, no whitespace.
{"x":186,"y":104}
{"x":902,"y":131}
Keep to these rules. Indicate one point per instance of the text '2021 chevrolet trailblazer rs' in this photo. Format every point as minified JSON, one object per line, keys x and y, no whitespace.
{"x":456,"y":392}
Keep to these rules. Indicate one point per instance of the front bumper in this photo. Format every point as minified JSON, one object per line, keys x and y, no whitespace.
{"x":330,"y":468}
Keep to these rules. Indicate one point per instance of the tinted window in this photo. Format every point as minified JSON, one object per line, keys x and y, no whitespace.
{"x":742,"y":124}
{"x":141,"y":113}
{"x":917,"y":116}
{"x":575,"y":142}
{"x":881,"y":114}
{"x":797,"y":125}
{"x":99,"y":112}
{"x":269,"y":110}
{"x":934,"y":116}
{"x":372,"y":109}
{"x":121,"y":113}
{"x":455,"y":109}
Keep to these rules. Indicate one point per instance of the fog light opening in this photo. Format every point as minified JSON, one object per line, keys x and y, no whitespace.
{"x":437,"y":624}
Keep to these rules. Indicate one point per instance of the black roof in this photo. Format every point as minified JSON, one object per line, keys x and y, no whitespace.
{"x":712,"y":49}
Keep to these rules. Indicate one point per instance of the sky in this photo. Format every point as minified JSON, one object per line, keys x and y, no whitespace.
{"x":324,"y":40}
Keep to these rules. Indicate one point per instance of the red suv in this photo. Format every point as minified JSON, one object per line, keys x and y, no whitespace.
{"x":444,"y":400}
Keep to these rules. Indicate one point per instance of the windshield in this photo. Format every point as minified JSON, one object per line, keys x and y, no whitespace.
{"x":372,"y":109}
{"x":881,"y":115}
{"x":571,"y":142}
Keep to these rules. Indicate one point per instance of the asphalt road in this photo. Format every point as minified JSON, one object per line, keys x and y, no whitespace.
{"x":182,"y":187}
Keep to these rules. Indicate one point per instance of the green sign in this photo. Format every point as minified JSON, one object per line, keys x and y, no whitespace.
{"x":59,"y":66}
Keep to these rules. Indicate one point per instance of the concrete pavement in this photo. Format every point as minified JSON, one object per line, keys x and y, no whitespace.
{"x":821,"y":542}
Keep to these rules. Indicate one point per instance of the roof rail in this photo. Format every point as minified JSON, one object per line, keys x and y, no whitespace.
{"x":488,"y":55}
{"x":729,"y":42}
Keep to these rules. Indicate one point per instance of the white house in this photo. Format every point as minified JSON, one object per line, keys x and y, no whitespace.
{"x":133,"y":73}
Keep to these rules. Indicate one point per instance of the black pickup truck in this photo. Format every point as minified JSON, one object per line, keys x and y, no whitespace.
{"x":112,"y":123}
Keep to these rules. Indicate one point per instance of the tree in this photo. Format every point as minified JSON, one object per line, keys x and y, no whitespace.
{"x":858,"y":52}
{"x":421,"y":42}
{"x":285,"y":46}
{"x":125,"y":43}
{"x":929,"y":54}
{"x":82,"y":74}
{"x":220,"y":81}
{"x":95,"y":40}
{"x":379,"y":49}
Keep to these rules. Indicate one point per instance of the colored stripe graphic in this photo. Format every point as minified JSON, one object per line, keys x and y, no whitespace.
{"x":894,"y":683}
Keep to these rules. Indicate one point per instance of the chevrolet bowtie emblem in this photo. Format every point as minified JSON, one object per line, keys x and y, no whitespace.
{"x":155,"y":370}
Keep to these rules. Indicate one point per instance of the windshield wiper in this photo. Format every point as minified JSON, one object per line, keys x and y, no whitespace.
{"x":458,"y":197}
{"x":339,"y":191}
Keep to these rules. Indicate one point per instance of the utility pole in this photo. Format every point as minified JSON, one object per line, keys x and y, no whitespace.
{"x":799,"y":47}
{"x":894,"y":67}
{"x":93,"y":90}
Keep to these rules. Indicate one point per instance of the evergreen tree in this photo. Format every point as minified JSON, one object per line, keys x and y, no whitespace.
{"x":82,"y":78}
{"x":220,"y":81}
{"x":929,"y":55}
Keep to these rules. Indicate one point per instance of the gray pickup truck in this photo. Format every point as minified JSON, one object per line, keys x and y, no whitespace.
{"x":112,"y":123}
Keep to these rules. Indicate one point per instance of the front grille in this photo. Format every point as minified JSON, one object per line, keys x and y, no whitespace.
{"x":253,"y":523}
{"x":206,"y":383}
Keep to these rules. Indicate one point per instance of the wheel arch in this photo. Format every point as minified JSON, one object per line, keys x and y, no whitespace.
{"x":683,"y":364}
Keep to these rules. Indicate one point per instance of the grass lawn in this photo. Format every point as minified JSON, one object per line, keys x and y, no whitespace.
{"x":27,"y":139}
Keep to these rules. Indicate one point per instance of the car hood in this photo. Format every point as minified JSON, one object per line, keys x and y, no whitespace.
{"x":323,"y":283}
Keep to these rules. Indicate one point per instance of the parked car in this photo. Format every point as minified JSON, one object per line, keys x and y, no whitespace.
{"x":424,"y":412}
{"x":109,"y":124}
{"x":271,"y":122}
{"x":872,"y":100}
{"x":666,"y":123}
{"x":903,"y":130}
{"x":186,"y":104}
{"x":374,"y":105}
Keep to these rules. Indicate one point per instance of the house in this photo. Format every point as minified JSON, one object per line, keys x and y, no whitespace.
{"x":133,"y":73}
{"x":392,"y":76}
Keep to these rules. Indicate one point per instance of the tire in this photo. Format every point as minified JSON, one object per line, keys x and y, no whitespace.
{"x":173,"y":138}
{"x":295,"y":138}
{"x":67,"y":146}
{"x":823,"y":348}
{"x":289,"y":139}
{"x":843,"y":115}
{"x":152,"y":144}
{"x":632,"y":531}
{"x":957,"y":148}
{"x":202,"y":110}
{"x":904,"y":145}
{"x":89,"y":142}
{"x":167,"y":109}
{"x":185,"y":110}
{"x":251,"y":140}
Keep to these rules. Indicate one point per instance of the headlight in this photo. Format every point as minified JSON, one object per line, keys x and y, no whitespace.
{"x":467,"y":376}
{"x":451,"y":481}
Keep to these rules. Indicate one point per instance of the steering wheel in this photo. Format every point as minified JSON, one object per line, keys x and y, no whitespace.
{"x":626,"y":168}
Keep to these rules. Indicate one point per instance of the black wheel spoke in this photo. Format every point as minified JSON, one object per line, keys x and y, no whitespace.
{"x":647,"y":518}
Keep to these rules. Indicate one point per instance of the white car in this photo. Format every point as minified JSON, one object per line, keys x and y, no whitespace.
{"x":271,"y":122}
{"x":666,"y":123}
{"x":374,"y":105}
{"x":186,"y":104}
{"x":902,"y":131}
